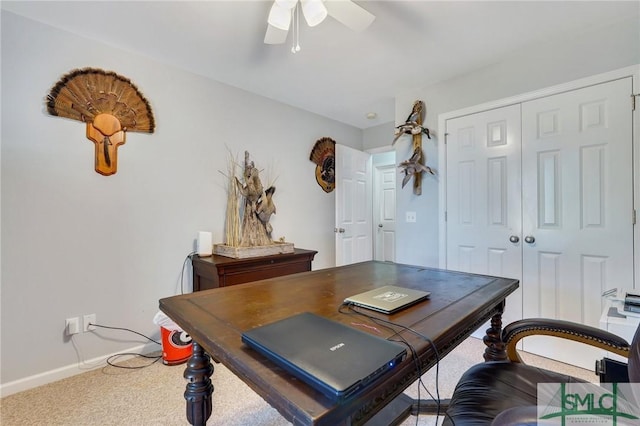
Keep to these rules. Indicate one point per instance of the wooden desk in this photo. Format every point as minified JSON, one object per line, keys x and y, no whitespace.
{"x":220,"y":271}
{"x":215,"y":319}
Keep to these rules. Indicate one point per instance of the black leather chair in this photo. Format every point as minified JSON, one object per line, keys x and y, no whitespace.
{"x":505,"y":392}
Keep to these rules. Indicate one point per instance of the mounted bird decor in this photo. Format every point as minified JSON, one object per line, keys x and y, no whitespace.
{"x":413,"y":123}
{"x":110,"y":104}
{"x":414,"y":166}
{"x":249,"y":202}
{"x":323,"y":155}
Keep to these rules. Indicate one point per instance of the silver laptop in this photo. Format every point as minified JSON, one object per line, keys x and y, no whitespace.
{"x":388,"y":299}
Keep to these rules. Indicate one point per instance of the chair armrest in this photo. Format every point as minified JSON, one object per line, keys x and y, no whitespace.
{"x":592,"y":336}
{"x":526,"y":415}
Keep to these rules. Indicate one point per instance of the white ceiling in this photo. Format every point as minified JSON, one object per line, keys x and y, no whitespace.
{"x":338,"y":73}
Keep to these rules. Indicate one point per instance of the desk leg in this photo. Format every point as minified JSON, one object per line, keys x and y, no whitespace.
{"x":495,"y":350}
{"x":199,"y":386}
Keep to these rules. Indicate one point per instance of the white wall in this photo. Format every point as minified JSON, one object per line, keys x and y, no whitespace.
{"x":574,"y":56}
{"x":378,"y":137}
{"x":75,"y":242}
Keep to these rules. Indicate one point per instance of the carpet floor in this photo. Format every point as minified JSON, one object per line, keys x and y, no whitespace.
{"x":154,"y":395}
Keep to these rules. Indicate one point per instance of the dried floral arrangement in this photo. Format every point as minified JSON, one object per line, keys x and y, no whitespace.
{"x":232,"y":216}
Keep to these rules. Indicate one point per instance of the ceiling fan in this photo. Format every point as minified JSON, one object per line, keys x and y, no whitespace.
{"x":314,"y":11}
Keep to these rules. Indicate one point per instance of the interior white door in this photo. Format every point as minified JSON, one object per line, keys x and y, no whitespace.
{"x":578,"y":203}
{"x":384,"y":212}
{"x":483,"y":204}
{"x":353,"y":230}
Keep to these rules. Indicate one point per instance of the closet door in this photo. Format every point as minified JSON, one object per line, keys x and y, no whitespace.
{"x":577,"y":208}
{"x":483,"y":197}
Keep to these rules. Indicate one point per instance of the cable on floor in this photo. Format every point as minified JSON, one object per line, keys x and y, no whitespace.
{"x":112,"y":357}
{"x":155,"y":359}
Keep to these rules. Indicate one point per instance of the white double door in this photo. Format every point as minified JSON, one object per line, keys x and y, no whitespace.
{"x":542,"y":191}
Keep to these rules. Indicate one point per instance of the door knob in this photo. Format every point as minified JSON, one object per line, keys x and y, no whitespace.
{"x":379,"y":225}
{"x":338,"y":230}
{"x":529,"y":239}
{"x":514,"y":239}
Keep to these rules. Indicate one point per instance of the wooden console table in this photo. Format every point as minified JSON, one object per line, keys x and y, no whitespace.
{"x":220,"y":271}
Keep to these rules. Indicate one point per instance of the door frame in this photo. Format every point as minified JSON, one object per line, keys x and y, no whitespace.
{"x":354,"y":226}
{"x":375,"y":190}
{"x":370,"y":194}
{"x":631,"y":71}
{"x":377,"y":199}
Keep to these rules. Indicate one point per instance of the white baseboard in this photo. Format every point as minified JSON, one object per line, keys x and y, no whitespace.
{"x":46,"y":377}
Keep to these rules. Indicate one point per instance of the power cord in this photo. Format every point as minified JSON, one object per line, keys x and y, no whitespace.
{"x":389,"y":325}
{"x":155,"y":358}
{"x":110,"y":361}
{"x":184,"y":264}
{"x":125,"y":329}
{"x":138,"y":367}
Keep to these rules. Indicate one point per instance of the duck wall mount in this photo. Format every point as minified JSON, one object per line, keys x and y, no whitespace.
{"x":108,"y":103}
{"x":414,"y":166}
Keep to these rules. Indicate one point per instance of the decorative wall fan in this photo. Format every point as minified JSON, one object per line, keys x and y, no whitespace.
{"x":314,"y":11}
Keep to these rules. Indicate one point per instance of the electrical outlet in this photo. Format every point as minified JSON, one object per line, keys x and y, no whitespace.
{"x":72,"y":326}
{"x":89,"y":319}
{"x":411,"y":216}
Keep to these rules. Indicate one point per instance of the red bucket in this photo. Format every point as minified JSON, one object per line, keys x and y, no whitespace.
{"x":177,"y":346}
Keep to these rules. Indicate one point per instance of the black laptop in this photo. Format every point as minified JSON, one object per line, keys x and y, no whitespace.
{"x":333,"y":358}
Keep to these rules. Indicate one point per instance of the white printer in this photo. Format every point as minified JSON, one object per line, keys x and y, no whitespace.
{"x":621,"y":315}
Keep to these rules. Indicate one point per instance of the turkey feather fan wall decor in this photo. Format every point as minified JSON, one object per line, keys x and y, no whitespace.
{"x":323,"y":155}
{"x":108,"y":103}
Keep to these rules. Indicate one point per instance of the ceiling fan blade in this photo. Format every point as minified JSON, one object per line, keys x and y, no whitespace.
{"x":280,"y":17}
{"x":349,"y":14}
{"x":275,"y":35}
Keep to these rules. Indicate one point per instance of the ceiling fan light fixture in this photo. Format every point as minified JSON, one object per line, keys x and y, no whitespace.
{"x":314,"y":11}
{"x":286,"y":4}
{"x":279,"y":17}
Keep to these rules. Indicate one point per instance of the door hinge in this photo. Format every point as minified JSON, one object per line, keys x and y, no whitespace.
{"x":445,"y":215}
{"x":633,"y":101}
{"x":633,"y":217}
{"x":445,"y":138}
